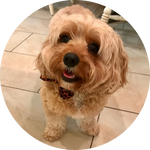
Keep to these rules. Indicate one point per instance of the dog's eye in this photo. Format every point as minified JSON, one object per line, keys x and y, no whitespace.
{"x":64,"y":39}
{"x":93,"y":48}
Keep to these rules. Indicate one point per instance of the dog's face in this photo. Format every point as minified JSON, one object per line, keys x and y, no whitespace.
{"x":83,"y":53}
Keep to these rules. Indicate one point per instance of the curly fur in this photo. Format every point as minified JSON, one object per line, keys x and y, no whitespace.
{"x":100,"y":75}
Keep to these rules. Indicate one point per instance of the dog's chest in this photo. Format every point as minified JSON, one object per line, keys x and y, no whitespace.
{"x":78,"y":100}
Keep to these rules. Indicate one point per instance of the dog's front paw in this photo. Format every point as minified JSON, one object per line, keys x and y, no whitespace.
{"x":51,"y":134}
{"x":90,"y":128}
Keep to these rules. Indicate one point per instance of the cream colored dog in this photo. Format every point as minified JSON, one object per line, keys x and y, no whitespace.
{"x":82,"y":62}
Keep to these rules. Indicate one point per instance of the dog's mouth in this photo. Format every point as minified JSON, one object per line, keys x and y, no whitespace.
{"x":69,"y":76}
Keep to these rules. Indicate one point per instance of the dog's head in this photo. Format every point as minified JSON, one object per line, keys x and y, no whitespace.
{"x":83,"y":53}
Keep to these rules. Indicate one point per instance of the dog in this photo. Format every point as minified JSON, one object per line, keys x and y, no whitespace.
{"x":82,"y":62}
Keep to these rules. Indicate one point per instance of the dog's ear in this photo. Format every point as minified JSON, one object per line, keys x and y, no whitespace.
{"x":39,"y":62}
{"x":118,"y":66}
{"x":123,"y":58}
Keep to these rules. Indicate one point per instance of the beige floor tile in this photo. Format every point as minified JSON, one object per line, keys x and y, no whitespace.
{"x":16,"y":38}
{"x":57,"y":6}
{"x":34,"y":25}
{"x":116,"y":25}
{"x":32,"y":45}
{"x":41,"y":13}
{"x":72,"y":138}
{"x":127,"y":26}
{"x":130,"y":38}
{"x":18,"y":71}
{"x":99,"y":10}
{"x":89,"y":5}
{"x":122,"y":25}
{"x":26,"y":108}
{"x":138,"y":60}
{"x":132,"y":97}
{"x":112,"y":124}
{"x":86,"y":1}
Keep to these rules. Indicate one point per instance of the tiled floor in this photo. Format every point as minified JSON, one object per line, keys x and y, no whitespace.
{"x":20,"y":82}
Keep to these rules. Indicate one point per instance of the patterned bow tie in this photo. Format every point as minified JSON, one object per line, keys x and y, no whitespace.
{"x":64,"y":93}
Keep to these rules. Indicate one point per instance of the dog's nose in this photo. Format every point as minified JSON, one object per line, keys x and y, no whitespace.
{"x":71,"y":59}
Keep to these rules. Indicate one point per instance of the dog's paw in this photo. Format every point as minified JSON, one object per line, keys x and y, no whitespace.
{"x":52,"y":134}
{"x":89,"y":128}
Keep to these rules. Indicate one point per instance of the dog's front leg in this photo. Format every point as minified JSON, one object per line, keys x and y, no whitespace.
{"x":88,"y":125}
{"x":55,"y":126}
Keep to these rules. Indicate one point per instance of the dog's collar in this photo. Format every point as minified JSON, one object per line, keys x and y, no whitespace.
{"x":64,"y":93}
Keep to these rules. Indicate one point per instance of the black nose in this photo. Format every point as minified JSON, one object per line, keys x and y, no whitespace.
{"x":71,"y":59}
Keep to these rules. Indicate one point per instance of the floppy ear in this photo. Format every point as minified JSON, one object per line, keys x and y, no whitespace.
{"x":123,"y":59}
{"x":39,"y":62}
{"x":118,"y":66}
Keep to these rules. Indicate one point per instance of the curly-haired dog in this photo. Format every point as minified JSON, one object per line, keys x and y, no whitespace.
{"x":81,"y":63}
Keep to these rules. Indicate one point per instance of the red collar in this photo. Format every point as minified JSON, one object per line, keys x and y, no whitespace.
{"x":64,"y":93}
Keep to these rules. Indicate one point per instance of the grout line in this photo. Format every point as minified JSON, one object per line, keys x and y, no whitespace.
{"x":92,"y":142}
{"x":120,"y":29}
{"x":39,"y":90}
{"x":24,"y":54}
{"x":23,"y":31}
{"x":141,"y":74}
{"x":21,"y":53}
{"x":38,"y":18}
{"x":29,"y":32}
{"x":122,"y":110}
{"x":95,"y":10}
{"x":93,"y":136}
{"x":18,"y":89}
{"x":134,"y":31}
{"x":21,"y":42}
{"x":98,"y":117}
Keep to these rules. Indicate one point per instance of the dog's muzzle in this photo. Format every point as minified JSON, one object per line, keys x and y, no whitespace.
{"x":70,"y":60}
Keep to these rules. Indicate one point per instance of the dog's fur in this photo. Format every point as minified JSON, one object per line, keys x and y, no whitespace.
{"x":100,"y":74}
